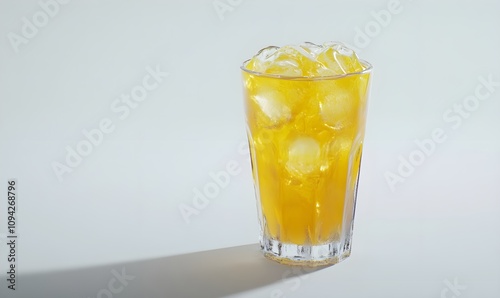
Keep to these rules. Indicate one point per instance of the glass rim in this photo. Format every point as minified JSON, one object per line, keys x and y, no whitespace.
{"x":368,"y":69}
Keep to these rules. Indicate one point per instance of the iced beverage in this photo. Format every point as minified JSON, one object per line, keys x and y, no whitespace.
{"x":306,"y":112}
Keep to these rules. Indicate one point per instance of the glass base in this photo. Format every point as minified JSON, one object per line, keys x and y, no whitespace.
{"x":305,"y":255}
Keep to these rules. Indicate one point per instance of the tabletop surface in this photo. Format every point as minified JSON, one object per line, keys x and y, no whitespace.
{"x":115,"y":116}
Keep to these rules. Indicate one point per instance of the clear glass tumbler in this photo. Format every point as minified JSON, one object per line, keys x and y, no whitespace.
{"x":306,"y":139}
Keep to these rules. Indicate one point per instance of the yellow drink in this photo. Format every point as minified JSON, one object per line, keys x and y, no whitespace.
{"x":306,"y":137}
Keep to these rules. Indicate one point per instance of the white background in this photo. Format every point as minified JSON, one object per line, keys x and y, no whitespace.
{"x":119,"y":208}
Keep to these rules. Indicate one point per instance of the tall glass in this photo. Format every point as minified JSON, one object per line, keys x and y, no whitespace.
{"x":306,"y":139}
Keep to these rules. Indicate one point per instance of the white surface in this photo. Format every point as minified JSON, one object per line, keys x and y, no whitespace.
{"x":120,"y":207}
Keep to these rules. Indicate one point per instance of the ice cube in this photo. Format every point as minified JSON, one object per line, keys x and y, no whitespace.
{"x":330,"y":66}
{"x":289,"y":67}
{"x":311,"y":48}
{"x":339,"y":59}
{"x":262,"y":59}
{"x":266,"y":53}
{"x":272,"y":103}
{"x":306,"y":59}
{"x":274,"y":60}
{"x":347,"y":59}
{"x":285,"y":61}
{"x":304,"y":156}
{"x":338,"y":107}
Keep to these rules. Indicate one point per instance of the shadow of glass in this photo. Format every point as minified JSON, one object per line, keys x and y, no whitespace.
{"x":214,"y":273}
